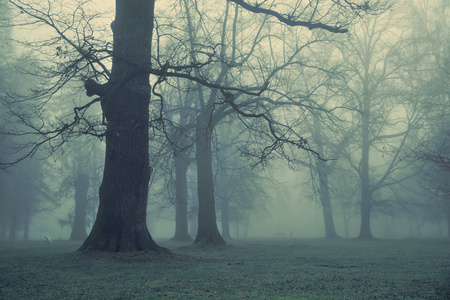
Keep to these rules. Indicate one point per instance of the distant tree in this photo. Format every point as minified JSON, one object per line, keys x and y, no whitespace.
{"x":328,"y":147}
{"x":81,"y":185}
{"x":240,"y":190}
{"x":384,"y":114}
{"x":77,"y":171}
{"x":19,"y":199}
{"x":24,"y":194}
{"x":16,"y":204}
{"x":182,"y":157}
{"x":431,"y":77}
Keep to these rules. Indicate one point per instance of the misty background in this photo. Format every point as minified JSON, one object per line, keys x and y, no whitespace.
{"x":362,"y":122}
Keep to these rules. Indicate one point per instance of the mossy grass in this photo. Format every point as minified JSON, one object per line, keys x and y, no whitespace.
{"x":249,"y":269}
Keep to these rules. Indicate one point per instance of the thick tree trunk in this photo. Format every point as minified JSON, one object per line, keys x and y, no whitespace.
{"x":208,"y":233}
{"x":330,"y":230}
{"x":120,"y":225}
{"x":181,"y":204}
{"x":79,"y":223}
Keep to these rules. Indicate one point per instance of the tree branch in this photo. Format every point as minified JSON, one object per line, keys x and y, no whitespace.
{"x":288,"y":20}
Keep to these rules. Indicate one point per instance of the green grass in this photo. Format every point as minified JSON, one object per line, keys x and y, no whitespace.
{"x":254,"y":269}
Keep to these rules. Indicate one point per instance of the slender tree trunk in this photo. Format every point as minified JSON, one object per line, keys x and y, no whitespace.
{"x":346,"y":225}
{"x":4,"y":225}
{"x":181,"y":208}
{"x":193,"y":217}
{"x":447,"y":215}
{"x":13,"y":225}
{"x":120,"y":225}
{"x":324,"y":192}
{"x":223,"y":191}
{"x":330,"y":230}
{"x":448,"y":227}
{"x":208,"y":233}
{"x":81,"y":202}
{"x":366,"y":196}
{"x":225,"y":217}
{"x":26,"y":224}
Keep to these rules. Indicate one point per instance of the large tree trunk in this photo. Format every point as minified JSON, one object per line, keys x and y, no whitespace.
{"x":81,"y":202}
{"x":181,"y":204}
{"x":120,"y":225}
{"x":208,"y":233}
{"x":330,"y":230}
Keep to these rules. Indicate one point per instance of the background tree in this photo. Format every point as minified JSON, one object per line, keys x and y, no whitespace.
{"x":386,"y":121}
{"x":241,"y":192}
{"x":430,"y":47}
{"x":23,"y":193}
{"x":175,"y":154}
{"x":80,"y":166}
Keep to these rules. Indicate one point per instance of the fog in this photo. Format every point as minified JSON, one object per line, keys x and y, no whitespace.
{"x":264,"y":128}
{"x":288,"y":217}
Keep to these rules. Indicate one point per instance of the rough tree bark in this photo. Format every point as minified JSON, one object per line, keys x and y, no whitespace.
{"x":79,"y":223}
{"x":120,"y":225}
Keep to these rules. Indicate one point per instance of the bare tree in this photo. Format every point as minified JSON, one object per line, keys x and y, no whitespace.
{"x":431,"y":42}
{"x":77,"y":171}
{"x":385,"y":117}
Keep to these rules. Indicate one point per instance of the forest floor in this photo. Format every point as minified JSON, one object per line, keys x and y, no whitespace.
{"x":251,"y":269}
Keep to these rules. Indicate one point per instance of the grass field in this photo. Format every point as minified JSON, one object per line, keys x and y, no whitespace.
{"x":254,"y":269}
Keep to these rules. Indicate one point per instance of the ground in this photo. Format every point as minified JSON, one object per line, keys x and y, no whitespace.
{"x":255,"y":269}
